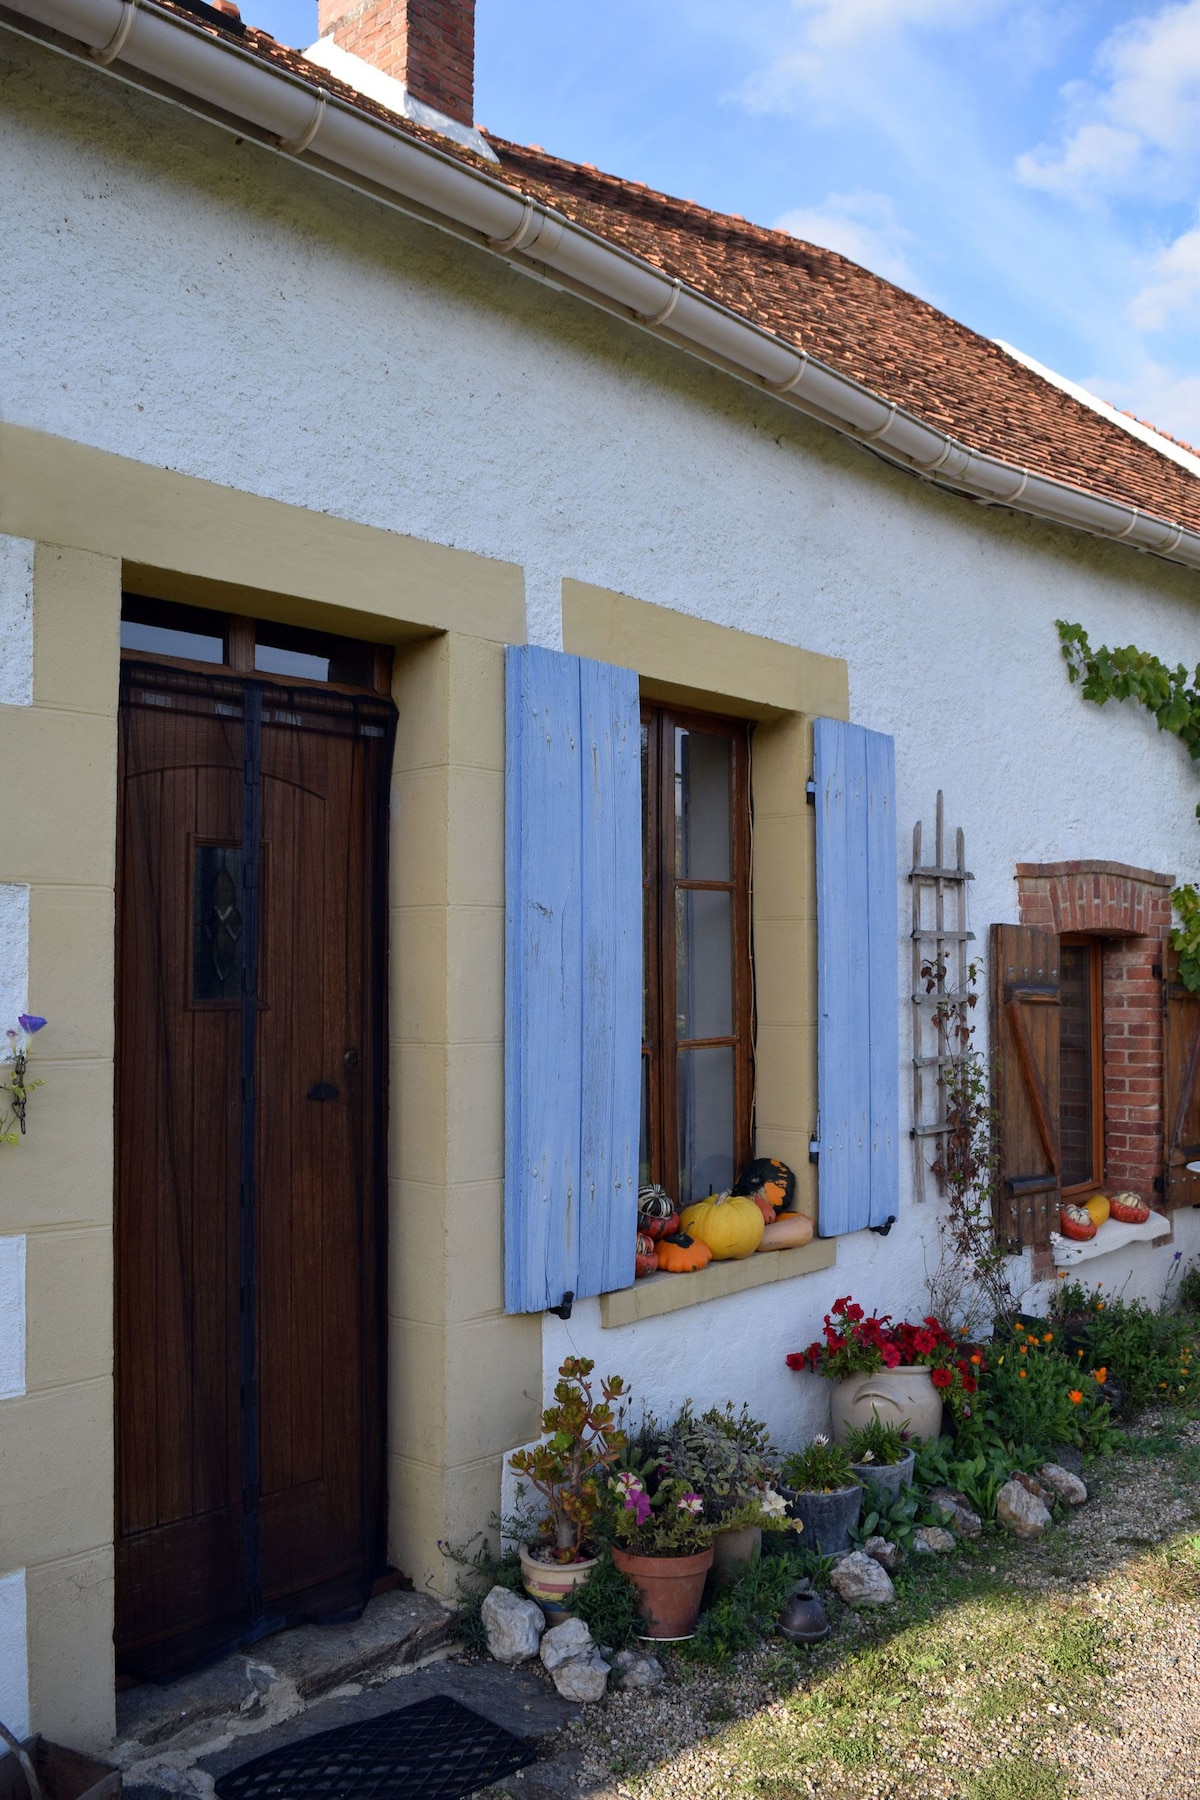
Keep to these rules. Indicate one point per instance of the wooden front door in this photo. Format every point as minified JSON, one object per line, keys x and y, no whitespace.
{"x":250,"y":1157}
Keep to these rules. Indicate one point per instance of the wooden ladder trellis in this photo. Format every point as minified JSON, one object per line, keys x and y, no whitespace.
{"x":940,"y":988}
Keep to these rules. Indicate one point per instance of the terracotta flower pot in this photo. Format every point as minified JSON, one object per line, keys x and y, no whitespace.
{"x":549,"y":1582}
{"x":900,"y":1396}
{"x":733,"y":1553}
{"x":670,"y":1588}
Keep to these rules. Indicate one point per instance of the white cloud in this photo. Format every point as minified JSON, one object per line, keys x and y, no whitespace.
{"x":835,"y":35}
{"x":1139,"y":130}
{"x":1174,"y":289}
{"x":861,"y":225}
{"x":1161,"y":396}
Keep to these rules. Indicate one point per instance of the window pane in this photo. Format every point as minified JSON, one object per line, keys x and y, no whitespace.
{"x":313,"y":655}
{"x":703,"y":768}
{"x":707,"y":1142}
{"x":1075,"y":1068}
{"x":703,"y":963}
{"x":217,"y":922}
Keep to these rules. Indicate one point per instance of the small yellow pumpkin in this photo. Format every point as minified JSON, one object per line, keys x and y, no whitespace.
{"x":1098,"y":1208}
{"x":730,"y":1224}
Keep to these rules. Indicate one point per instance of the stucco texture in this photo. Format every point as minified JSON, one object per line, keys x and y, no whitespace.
{"x":204,"y":306}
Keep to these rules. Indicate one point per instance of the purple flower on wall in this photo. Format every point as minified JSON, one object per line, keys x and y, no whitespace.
{"x":30,"y":1022}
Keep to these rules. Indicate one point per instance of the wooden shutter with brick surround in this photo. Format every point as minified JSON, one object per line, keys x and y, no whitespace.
{"x":1181,"y":1086}
{"x":1025,"y":1060}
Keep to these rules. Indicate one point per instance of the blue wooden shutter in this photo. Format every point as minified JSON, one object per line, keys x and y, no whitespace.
{"x":573,"y":977}
{"x":858,"y":1035}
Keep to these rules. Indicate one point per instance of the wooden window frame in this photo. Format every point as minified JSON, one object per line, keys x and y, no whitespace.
{"x":660,"y":884}
{"x":238,"y":635}
{"x":1078,"y":940}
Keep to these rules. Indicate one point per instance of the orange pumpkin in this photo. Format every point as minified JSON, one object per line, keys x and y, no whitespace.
{"x":765,"y":1208}
{"x":658,"y":1228}
{"x":681,"y":1254}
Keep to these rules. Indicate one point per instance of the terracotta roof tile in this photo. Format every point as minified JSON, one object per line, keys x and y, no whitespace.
{"x":892,"y":342}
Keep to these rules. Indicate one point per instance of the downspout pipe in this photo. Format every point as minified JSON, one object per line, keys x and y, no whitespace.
{"x":176,"y":59}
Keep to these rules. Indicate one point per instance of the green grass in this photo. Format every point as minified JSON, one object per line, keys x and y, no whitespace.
{"x":1018,"y":1778}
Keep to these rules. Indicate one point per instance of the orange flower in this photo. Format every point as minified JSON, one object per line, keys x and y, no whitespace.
{"x":977,"y":1358}
{"x":1021,"y":1373}
{"x":1074,"y":1396}
{"x":1100,"y":1376}
{"x":1048,"y":1337}
{"x":1024,"y":1349}
{"x":1018,"y":1327}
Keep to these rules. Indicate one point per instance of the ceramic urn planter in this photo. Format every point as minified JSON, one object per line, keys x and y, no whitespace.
{"x":904,"y":1396}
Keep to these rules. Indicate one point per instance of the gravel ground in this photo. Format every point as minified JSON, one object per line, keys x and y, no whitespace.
{"x":1065,"y":1670}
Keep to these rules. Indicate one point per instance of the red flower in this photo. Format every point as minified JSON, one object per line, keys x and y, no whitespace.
{"x":924,"y":1342}
{"x":969,"y":1384}
{"x":853,"y":1313}
{"x":797,"y":1359}
{"x":891,"y":1356}
{"x":942,"y":1378}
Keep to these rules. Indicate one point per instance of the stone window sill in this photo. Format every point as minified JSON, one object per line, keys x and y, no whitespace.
{"x":1112,"y":1235}
{"x":657,"y":1294}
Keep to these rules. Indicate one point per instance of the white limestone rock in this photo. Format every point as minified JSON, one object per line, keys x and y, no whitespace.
{"x":1024,"y":1514}
{"x":644,"y":1672}
{"x":1060,"y":1481}
{"x":513,"y":1625}
{"x":931,"y":1540}
{"x":564,"y":1642}
{"x":859,"y":1581}
{"x":582,"y":1677}
{"x":885,"y":1554}
{"x":952,"y":1506}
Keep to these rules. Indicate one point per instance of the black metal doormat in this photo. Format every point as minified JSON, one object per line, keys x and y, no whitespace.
{"x":435,"y":1750}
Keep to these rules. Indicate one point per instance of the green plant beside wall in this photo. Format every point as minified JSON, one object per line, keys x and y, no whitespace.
{"x":608,"y":1604}
{"x":14,"y":1076}
{"x":584,"y":1441}
{"x":1172,"y":698}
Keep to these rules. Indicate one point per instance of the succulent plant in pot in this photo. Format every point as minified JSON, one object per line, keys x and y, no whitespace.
{"x":823,"y":1494}
{"x":880,"y":1452}
{"x":584,"y":1440}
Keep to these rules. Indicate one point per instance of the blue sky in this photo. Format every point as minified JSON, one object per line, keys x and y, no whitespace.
{"x":1030,"y":166}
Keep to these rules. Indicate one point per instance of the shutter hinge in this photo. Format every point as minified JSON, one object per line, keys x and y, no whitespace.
{"x":814,"y":1149}
{"x":1156,"y":971}
{"x":810,"y":791}
{"x":564,"y":1311}
{"x":882,"y":1230}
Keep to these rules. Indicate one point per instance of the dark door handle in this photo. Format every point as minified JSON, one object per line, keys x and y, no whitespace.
{"x":323,"y":1090}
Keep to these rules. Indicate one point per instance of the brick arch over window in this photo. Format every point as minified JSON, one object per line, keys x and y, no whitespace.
{"x":1130,"y":909}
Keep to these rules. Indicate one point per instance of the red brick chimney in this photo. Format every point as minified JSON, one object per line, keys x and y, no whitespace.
{"x":429,"y":45}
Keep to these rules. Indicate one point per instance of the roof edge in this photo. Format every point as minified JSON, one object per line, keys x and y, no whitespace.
{"x":218,"y":78}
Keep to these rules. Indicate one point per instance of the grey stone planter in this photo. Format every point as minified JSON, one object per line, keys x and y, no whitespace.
{"x":890,"y":1477}
{"x":828,"y":1519}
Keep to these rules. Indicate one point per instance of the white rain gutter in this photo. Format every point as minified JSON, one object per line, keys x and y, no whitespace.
{"x":177,"y":59}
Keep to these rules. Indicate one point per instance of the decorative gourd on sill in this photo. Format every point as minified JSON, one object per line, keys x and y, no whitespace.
{"x":730,"y":1224}
{"x":657,"y":1216}
{"x":645,"y":1258}
{"x":790,"y":1231}
{"x":1098,"y":1209}
{"x":769,"y":1180}
{"x":1076,"y":1222}
{"x":1129,"y":1209}
{"x":680,"y":1254}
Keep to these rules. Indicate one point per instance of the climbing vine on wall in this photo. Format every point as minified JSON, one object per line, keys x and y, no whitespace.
{"x":1172,"y":697}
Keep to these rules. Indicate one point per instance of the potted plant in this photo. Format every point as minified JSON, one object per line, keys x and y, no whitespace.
{"x":727,"y":1458}
{"x":569,"y":1470}
{"x":823,"y":1494}
{"x":881,"y":1453}
{"x":899,"y":1372}
{"x":664,"y":1544}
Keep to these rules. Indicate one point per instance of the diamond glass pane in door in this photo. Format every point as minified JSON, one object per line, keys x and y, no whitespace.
{"x":703,"y":963}
{"x":707,"y":1133}
{"x":1076,"y":1075}
{"x":703,"y":771}
{"x":217,"y":944}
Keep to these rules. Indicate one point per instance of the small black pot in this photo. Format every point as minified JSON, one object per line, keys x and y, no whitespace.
{"x":828,"y":1519}
{"x":804,"y":1619}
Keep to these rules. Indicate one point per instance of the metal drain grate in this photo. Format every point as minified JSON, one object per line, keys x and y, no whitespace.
{"x":435,"y":1750}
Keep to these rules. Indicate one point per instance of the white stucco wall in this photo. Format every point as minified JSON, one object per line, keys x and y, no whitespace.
{"x":178,"y":298}
{"x":16,"y":621}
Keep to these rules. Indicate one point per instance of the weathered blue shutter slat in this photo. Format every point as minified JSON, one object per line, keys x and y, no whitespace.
{"x":857,"y":1012}
{"x":572,"y":976}
{"x":611,"y":741}
{"x":884,"y":1033}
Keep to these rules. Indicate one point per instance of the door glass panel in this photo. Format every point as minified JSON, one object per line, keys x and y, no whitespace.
{"x":707,"y":1141}
{"x":703,"y":963}
{"x":703,"y":769}
{"x":217,"y":922}
{"x":1075,"y":1066}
